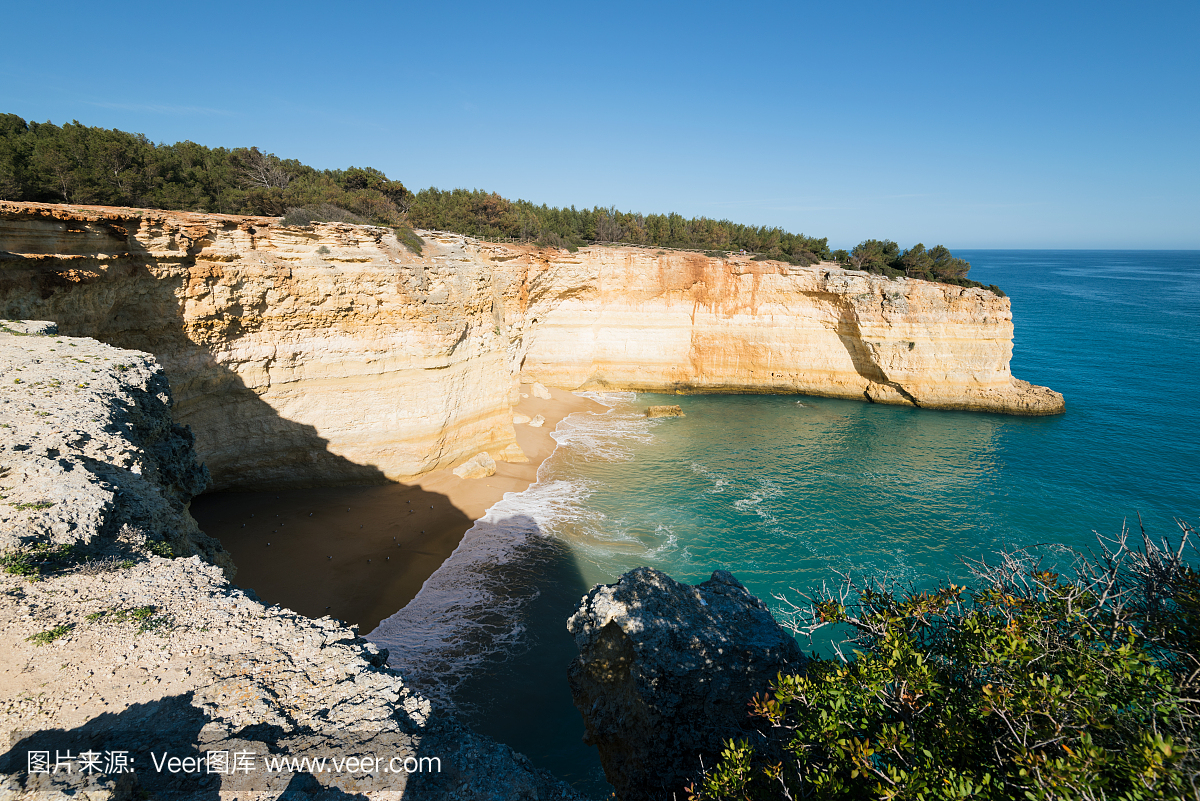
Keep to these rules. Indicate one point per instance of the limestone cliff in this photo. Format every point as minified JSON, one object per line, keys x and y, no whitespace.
{"x":627,"y":319}
{"x":331,"y":353}
{"x":89,"y":454}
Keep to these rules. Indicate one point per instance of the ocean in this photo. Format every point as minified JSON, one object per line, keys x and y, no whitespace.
{"x":786,"y":491}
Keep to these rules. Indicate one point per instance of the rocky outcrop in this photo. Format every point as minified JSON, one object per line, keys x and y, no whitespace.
{"x":89,"y":453}
{"x":478,"y":466}
{"x":665,"y":411}
{"x":332,"y":354}
{"x":665,"y":672}
{"x":111,"y":646}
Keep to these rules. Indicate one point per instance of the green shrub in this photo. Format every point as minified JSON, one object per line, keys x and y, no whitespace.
{"x":37,"y":505}
{"x":161,"y":548}
{"x":38,"y":559}
{"x":146,"y":617}
{"x":321,"y":212}
{"x":408,"y":237}
{"x":1030,"y":685}
{"x":50,"y":635}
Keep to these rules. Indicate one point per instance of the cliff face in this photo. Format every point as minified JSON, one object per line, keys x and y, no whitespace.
{"x":333,"y":354}
{"x":623,"y":318}
{"x":297,"y":355}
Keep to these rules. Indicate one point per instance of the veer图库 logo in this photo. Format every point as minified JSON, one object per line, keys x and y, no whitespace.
{"x":71,"y":762}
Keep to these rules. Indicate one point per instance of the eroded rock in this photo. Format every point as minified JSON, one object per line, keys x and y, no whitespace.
{"x":665,"y":411}
{"x":513,"y":454}
{"x":665,"y":672}
{"x":480,"y":465}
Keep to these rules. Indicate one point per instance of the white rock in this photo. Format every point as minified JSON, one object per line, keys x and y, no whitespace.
{"x":540,"y":391}
{"x":478,"y":466}
{"x":518,"y":419}
{"x":513,"y":453}
{"x":537,"y":422}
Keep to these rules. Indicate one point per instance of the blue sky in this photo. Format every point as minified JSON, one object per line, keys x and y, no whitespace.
{"x":972,"y":125}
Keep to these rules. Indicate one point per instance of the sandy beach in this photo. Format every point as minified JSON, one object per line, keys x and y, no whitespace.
{"x":360,"y":554}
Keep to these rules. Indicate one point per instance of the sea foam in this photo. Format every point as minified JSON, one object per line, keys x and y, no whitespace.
{"x":470,"y":607}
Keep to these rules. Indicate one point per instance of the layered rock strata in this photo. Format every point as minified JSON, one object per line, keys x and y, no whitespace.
{"x":331,"y":353}
{"x":323,"y":354}
{"x":111,"y":646}
{"x":665,"y":672}
{"x":627,"y":319}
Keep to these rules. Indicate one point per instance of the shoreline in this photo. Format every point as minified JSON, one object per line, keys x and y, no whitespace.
{"x":364,"y":564}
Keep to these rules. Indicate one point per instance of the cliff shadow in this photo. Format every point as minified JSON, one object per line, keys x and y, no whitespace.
{"x":358,"y":553}
{"x":865,"y":364}
{"x":121,"y":302}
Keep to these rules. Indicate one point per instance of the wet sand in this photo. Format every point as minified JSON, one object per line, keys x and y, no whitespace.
{"x":360,"y":554}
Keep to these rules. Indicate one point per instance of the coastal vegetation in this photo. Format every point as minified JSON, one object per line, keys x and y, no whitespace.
{"x":74,"y":163}
{"x":1035,"y":683}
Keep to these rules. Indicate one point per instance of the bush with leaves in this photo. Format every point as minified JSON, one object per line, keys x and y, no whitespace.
{"x":1031,"y":684}
{"x":884,"y":257}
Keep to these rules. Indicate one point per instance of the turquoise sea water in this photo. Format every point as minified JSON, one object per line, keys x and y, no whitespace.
{"x":784,"y":490}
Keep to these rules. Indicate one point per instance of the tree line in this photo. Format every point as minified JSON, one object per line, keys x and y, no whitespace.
{"x":74,"y":163}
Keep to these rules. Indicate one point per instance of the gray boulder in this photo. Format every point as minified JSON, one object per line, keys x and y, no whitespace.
{"x":665,"y":672}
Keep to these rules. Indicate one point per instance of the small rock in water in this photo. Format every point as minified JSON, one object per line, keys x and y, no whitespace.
{"x":665,"y":411}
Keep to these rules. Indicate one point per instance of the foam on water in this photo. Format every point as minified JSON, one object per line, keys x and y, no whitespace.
{"x":469,"y":610}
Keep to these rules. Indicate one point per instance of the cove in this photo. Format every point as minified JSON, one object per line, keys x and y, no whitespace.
{"x":785,"y":490}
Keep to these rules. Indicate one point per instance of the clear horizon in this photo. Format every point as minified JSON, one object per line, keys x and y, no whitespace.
{"x":1032,"y":126}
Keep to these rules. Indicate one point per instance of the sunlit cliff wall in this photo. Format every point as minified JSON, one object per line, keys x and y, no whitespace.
{"x":333,"y":354}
